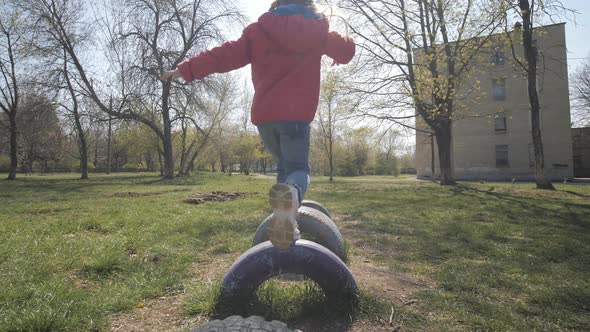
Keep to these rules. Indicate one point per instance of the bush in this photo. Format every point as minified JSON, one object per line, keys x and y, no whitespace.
{"x":4,"y":163}
{"x":134,"y":166}
{"x":408,"y":170}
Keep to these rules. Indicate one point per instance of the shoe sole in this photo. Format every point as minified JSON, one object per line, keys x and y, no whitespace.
{"x":280,"y":230}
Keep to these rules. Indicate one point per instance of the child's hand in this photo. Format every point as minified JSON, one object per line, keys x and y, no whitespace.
{"x":170,"y":75}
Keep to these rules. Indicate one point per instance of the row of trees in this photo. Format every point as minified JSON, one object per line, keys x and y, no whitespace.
{"x":80,"y":85}
{"x":99,"y":62}
{"x":96,"y":63}
{"x":47,"y":142}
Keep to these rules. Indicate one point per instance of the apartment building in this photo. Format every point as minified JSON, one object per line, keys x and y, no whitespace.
{"x":492,"y":135}
{"x":581,"y":143}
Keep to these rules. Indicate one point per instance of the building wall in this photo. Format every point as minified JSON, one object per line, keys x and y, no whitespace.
{"x":581,"y":144}
{"x":474,"y":135}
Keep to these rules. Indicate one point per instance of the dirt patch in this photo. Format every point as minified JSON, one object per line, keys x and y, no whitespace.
{"x":166,"y":313}
{"x":341,"y":326}
{"x":214,"y":196}
{"x":395,"y":287}
{"x":379,"y":280}
{"x":162,"y":314}
{"x":145,"y":194}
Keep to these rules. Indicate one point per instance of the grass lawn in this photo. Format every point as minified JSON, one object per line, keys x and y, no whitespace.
{"x":87,"y":255}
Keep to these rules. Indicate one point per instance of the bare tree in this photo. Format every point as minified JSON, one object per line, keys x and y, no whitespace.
{"x":161,"y":35}
{"x":13,"y":40}
{"x":416,"y":54}
{"x":529,"y":13}
{"x":246,"y":106}
{"x":581,"y":93}
{"x":389,"y":143}
{"x":205,"y":115}
{"x":330,"y":113}
{"x":74,"y":109}
{"x":40,"y":135}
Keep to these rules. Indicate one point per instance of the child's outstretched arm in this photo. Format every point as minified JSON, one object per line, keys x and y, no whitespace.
{"x":227,"y":57}
{"x":339,"y":48}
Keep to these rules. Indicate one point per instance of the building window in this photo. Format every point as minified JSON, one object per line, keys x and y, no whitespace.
{"x":499,"y":86}
{"x":500,"y":123}
{"x":498,"y":58}
{"x":502,"y":156}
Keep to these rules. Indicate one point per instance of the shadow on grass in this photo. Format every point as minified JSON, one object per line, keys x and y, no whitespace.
{"x":66,"y":185}
{"x":575,"y":193}
{"x":522,"y":201}
{"x":479,"y":244}
{"x":534,"y":205}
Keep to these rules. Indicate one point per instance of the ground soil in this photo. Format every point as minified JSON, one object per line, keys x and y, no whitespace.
{"x":144,"y":194}
{"x":166,"y":313}
{"x":214,"y":196}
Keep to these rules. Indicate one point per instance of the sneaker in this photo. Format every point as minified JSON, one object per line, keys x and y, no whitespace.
{"x":282,"y":229}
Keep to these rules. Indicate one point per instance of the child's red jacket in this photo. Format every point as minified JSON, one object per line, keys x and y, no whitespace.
{"x":285,"y":53}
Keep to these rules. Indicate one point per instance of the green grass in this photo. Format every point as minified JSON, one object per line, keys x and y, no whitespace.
{"x":503,"y":256}
{"x":500,"y":256}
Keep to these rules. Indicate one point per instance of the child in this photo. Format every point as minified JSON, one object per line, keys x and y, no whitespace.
{"x":285,"y":48}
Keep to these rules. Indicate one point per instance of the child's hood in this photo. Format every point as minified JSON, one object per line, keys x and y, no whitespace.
{"x":296,"y":32}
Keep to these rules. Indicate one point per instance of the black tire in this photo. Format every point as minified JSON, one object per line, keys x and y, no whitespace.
{"x":315,"y":226}
{"x":305,"y":258}
{"x":317,"y":206}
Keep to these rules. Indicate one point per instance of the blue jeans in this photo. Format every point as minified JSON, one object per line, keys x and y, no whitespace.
{"x":288,"y":143}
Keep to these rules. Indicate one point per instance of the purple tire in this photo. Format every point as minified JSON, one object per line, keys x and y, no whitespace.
{"x":317,"y":206}
{"x":314,"y":225}
{"x":306,"y":258}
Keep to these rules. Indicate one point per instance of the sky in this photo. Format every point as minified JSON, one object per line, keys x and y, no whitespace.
{"x":577,"y":30}
{"x":578,"y":45}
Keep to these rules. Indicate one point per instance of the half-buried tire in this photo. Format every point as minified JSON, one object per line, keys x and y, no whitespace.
{"x":315,"y":226}
{"x":305,"y":258}
{"x":317,"y":206}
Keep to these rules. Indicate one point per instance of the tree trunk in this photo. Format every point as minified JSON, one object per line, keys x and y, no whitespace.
{"x":191,"y":164}
{"x":222,"y":162}
{"x":168,"y":156}
{"x":149,"y":161}
{"x":444,"y":144}
{"x":432,"y":160}
{"x":530,"y":54}
{"x":331,"y":157}
{"x":183,"y":153}
{"x":13,"y":147}
{"x":167,"y":139}
{"x":160,"y":160}
{"x":95,"y":157}
{"x":82,"y":146}
{"x":110,"y":138}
